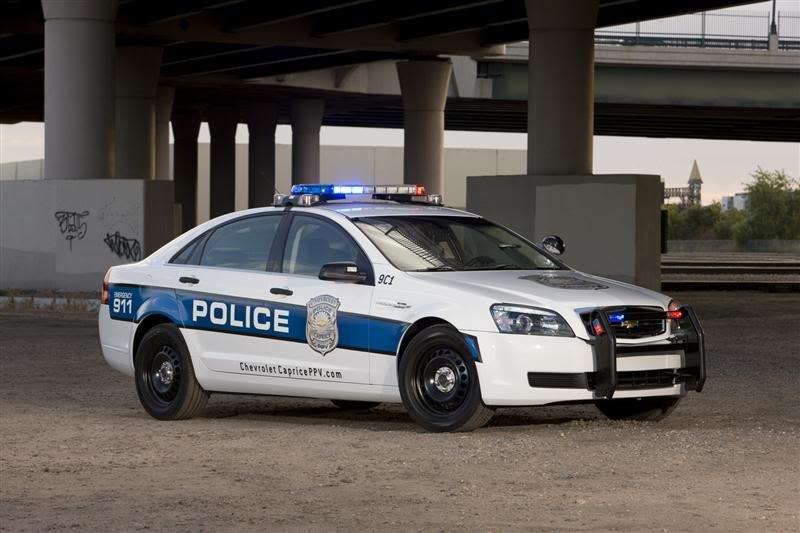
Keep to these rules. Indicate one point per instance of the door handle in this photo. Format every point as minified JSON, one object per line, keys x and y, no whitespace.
{"x":390,"y":303}
{"x":188,"y":279}
{"x":281,"y":290}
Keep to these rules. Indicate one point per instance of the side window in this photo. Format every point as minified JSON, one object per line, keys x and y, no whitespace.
{"x":184,"y":257}
{"x":242,"y":244}
{"x":313,"y":242}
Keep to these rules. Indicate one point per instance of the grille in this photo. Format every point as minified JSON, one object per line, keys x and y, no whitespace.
{"x":647,"y":379}
{"x":558,"y":380}
{"x":634,"y":380}
{"x":631,"y":329}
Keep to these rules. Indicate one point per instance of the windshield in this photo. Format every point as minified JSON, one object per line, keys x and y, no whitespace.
{"x":420,"y":243}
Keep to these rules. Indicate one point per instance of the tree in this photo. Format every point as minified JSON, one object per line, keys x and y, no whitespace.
{"x":693,"y":222}
{"x":773,"y":207}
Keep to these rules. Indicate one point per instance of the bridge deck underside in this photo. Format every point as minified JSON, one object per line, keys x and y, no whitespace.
{"x":23,"y":102}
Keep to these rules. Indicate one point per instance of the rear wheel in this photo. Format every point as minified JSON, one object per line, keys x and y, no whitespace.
{"x":350,"y":405}
{"x":439,"y":382}
{"x":652,"y":408}
{"x":165,"y":380}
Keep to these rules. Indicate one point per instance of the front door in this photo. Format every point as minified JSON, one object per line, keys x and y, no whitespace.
{"x":333,"y":317}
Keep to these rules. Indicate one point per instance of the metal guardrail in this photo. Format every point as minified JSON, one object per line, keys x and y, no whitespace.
{"x":714,"y":29}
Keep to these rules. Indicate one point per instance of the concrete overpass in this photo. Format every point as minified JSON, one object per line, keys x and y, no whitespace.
{"x":108,"y":73}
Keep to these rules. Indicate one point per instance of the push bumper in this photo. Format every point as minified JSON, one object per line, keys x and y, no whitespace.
{"x":689,"y":338}
{"x":516,"y":370}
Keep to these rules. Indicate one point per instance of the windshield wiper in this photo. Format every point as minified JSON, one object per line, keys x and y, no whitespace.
{"x":441,"y":268}
{"x":502,"y":266}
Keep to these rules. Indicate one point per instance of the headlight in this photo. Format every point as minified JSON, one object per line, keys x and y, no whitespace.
{"x":529,"y":321}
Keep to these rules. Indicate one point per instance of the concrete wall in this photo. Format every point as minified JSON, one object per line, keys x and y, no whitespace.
{"x":367,"y":165}
{"x":64,"y":234}
{"x":361,"y":164}
{"x":608,"y":222}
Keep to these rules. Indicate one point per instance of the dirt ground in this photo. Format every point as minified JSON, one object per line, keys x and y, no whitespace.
{"x":78,"y":452}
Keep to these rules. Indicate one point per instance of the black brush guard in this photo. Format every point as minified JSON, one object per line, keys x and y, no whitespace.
{"x":689,"y":338}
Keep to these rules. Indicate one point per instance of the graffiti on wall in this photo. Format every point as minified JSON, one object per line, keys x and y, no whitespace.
{"x":72,"y":225}
{"x":124,"y":247}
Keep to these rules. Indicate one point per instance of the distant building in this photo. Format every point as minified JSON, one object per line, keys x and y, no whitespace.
{"x":689,"y":195}
{"x":738,"y":201}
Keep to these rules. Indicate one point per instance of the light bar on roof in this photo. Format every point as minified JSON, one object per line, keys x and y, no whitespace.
{"x":322,"y":192}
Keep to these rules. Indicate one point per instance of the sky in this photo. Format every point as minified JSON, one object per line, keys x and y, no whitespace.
{"x":724,"y":165}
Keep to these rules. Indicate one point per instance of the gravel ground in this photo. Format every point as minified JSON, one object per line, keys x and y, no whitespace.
{"x":78,"y":452}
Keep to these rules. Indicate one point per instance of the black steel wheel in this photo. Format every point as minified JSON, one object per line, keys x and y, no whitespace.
{"x":439,"y":382}
{"x":165,"y":380}
{"x":651,"y":409}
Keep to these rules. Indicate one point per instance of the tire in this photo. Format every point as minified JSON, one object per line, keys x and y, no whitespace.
{"x":439,"y":382}
{"x":165,"y":380}
{"x":350,"y":405}
{"x":650,"y":409}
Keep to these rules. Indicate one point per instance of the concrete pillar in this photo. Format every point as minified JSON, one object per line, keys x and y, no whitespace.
{"x":561,"y":86}
{"x":137,"y":81}
{"x":424,"y":87}
{"x":79,"y":88}
{"x":164,"y":98}
{"x":222,"y":124}
{"x":261,"y":122}
{"x":306,"y":115}
{"x":185,"y":128}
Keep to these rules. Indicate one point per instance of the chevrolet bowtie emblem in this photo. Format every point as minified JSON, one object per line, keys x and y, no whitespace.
{"x":629,"y":324}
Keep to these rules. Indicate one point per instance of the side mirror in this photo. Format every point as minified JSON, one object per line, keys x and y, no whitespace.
{"x":553,"y":244}
{"x":348,"y":272}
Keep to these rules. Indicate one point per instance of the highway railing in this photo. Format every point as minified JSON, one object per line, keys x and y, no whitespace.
{"x":716,"y":29}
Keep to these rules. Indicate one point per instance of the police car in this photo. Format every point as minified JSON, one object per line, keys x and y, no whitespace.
{"x":377,"y":294}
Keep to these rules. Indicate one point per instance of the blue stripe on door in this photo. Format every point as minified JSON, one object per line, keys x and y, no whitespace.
{"x":257,"y":318}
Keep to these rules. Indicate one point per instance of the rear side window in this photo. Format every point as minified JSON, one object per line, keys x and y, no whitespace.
{"x":243,"y":244}
{"x":188,"y":255}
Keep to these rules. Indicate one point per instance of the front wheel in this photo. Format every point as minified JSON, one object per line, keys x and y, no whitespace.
{"x":649,"y":409}
{"x":439,"y":382}
{"x":165,"y":379}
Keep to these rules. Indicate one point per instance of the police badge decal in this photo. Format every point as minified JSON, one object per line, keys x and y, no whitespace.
{"x":322,"y":332}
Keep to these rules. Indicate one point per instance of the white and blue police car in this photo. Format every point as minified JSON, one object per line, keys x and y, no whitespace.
{"x":377,"y":294}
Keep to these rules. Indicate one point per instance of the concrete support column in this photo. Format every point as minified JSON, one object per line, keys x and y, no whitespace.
{"x":306,"y":115}
{"x":222,"y":194}
{"x":137,"y":80}
{"x":424,"y":87}
{"x":261,"y":122}
{"x":185,"y":128}
{"x":79,"y":88}
{"x":561,"y":86}
{"x":164,"y":98}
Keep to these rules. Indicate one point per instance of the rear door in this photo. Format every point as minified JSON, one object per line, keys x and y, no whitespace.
{"x":335,"y":315}
{"x":232,"y":322}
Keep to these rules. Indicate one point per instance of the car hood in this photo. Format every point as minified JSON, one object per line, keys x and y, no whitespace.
{"x":560,"y":290}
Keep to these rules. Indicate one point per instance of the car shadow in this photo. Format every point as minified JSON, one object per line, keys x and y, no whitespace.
{"x":385,"y":417}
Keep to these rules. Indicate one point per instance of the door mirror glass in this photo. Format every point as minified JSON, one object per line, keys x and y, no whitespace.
{"x":345,"y":271}
{"x":553,"y":244}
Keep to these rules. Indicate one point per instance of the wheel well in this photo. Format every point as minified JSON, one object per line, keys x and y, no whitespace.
{"x":416,"y":328}
{"x":146,"y":325}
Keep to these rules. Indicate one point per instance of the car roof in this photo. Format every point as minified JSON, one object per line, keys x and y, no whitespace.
{"x":387,"y":208}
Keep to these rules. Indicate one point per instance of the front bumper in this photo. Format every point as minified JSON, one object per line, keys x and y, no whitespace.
{"x":532,"y":370}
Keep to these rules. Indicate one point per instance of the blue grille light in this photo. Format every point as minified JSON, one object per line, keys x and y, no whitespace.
{"x":617,"y":317}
